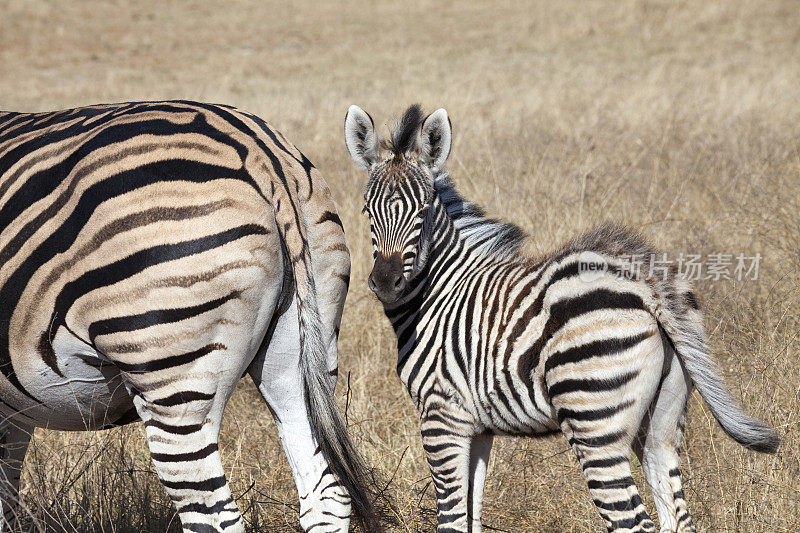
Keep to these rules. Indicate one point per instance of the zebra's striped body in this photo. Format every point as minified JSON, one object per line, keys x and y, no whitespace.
{"x":492,"y":342}
{"x":150,"y":255}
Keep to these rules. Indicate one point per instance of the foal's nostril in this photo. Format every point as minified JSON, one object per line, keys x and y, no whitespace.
{"x":386,"y":279}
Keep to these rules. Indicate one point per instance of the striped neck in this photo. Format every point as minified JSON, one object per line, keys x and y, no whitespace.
{"x":461,"y":234}
{"x":451,"y":256}
{"x":447,"y":256}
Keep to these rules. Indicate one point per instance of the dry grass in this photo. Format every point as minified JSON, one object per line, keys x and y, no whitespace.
{"x":680,"y":118}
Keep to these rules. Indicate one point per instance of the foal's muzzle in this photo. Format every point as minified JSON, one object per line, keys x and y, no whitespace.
{"x":387,"y":280}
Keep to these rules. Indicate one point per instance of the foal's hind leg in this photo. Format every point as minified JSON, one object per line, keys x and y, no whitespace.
{"x":658,"y":450}
{"x":600,"y":416}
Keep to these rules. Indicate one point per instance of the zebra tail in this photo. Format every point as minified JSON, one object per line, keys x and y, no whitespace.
{"x":327,"y":424}
{"x":683,"y":325}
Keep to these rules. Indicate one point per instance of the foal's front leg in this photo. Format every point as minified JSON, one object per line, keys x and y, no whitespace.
{"x":447,"y":437}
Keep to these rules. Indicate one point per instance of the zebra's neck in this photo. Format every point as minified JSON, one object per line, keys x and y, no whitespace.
{"x":462,"y":240}
{"x":445,"y":258}
{"x":461,"y":234}
{"x":485,"y":236}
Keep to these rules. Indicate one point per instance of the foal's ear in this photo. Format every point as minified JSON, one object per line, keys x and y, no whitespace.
{"x":435,"y":139}
{"x":360,"y":137}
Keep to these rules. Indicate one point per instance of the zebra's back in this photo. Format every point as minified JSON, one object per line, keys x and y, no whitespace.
{"x":123,"y":226}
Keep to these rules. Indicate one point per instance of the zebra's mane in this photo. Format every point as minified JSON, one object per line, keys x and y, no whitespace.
{"x":487,"y":236}
{"x":404,"y":136}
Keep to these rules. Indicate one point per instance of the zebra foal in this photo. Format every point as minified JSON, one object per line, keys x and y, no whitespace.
{"x":493,"y":342}
{"x":151,"y":254}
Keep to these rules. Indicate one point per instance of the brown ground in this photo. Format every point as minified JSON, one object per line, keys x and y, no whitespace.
{"x":680,"y":118}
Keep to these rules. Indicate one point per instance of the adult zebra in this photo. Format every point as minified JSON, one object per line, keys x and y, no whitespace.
{"x":492,"y":342}
{"x":151,"y":254}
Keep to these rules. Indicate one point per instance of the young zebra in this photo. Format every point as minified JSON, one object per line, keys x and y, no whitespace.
{"x":492,"y":342}
{"x":151,"y":254}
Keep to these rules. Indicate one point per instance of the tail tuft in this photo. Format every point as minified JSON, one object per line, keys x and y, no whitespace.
{"x":760,"y":437}
{"x":688,"y":340}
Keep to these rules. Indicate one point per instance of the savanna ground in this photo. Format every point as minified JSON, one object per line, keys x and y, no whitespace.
{"x":681,"y":119}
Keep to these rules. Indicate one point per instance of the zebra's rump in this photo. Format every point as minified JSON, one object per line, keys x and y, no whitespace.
{"x":588,"y":321}
{"x":552,"y":319}
{"x":130,"y":235}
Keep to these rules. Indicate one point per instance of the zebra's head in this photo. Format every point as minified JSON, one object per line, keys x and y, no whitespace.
{"x":399,"y":191}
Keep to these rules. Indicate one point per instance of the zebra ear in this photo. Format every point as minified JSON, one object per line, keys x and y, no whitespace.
{"x":435,"y":139}
{"x":360,"y":137}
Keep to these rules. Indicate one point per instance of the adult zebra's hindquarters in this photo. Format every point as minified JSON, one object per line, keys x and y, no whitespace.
{"x":151,"y":254}
{"x":493,"y":342}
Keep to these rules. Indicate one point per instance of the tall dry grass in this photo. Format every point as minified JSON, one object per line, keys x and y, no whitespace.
{"x":680,"y":118}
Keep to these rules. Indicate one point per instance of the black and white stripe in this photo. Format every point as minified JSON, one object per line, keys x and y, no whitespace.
{"x":151,"y":253}
{"x":493,"y":342}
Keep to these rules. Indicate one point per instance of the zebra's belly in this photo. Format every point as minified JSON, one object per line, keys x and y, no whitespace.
{"x":509,"y":406}
{"x":88,"y":395}
{"x":517,"y":414}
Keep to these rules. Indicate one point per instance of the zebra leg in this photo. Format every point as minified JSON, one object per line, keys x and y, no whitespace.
{"x":447,"y":441}
{"x":182,"y":434}
{"x":479,"y":460}
{"x":601,"y":402}
{"x":659,"y":453}
{"x":324,"y":503}
{"x":608,"y":473}
{"x":14,"y":440}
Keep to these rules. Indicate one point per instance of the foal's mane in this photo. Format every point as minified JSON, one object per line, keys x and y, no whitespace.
{"x":487,"y":236}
